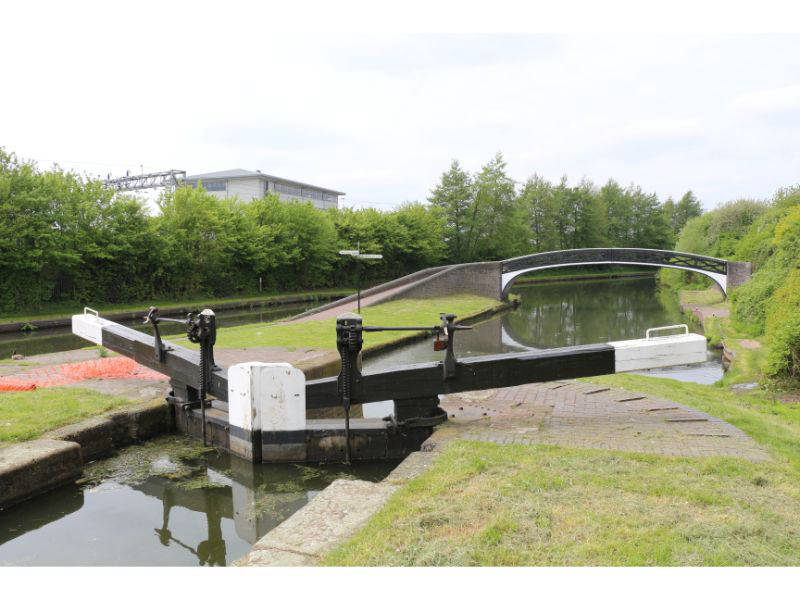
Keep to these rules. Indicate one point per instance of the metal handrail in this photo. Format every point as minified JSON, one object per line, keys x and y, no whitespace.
{"x":685,"y":330}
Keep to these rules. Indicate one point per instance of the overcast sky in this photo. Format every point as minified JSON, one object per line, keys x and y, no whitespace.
{"x":381,"y":116}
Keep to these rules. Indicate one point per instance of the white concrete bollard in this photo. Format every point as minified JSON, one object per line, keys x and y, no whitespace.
{"x":267,"y":411}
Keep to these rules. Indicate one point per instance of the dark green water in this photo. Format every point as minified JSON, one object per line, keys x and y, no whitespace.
{"x":561,"y":314}
{"x":167,"y":502}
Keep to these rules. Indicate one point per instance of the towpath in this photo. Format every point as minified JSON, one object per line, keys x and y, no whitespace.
{"x":562,"y":413}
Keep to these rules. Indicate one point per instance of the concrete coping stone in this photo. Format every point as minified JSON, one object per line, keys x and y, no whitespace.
{"x":30,"y":468}
{"x":332,"y":516}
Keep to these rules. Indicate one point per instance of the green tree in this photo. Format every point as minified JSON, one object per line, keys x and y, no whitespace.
{"x":496,"y":223}
{"x":454,"y":196}
{"x":539,"y":205}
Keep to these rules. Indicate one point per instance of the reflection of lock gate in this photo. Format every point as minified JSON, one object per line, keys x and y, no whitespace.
{"x":259,"y":409}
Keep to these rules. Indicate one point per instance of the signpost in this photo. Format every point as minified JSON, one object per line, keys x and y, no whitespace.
{"x":356,"y":254}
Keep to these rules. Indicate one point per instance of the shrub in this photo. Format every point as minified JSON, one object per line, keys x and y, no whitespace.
{"x":783,"y":328}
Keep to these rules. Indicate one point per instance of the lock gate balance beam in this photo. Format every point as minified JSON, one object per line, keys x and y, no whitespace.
{"x":260,"y":408}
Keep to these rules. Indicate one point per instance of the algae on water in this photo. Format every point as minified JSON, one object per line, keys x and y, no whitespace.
{"x":171,"y":457}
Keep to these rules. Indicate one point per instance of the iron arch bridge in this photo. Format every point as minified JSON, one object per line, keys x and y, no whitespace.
{"x":715,"y":268}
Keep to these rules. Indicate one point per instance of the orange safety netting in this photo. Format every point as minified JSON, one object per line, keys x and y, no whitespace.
{"x":118,"y":367}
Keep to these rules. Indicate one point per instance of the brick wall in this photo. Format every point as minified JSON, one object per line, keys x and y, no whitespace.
{"x":738,"y":273}
{"x":482,"y":279}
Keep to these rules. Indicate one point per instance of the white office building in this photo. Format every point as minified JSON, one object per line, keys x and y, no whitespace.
{"x":255,"y":184}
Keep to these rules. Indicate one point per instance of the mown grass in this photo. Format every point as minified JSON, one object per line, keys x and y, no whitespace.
{"x":27,"y":415}
{"x":66,"y":309}
{"x":322,"y":333}
{"x":486,"y":504}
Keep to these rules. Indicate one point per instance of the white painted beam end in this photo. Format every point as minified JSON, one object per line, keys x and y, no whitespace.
{"x":658,"y":352}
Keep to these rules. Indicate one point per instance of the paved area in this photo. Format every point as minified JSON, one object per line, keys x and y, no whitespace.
{"x":334,"y":312}
{"x":299,"y":357}
{"x":28,"y":363}
{"x":573,"y":414}
{"x":116,"y":367}
{"x":703,"y":311}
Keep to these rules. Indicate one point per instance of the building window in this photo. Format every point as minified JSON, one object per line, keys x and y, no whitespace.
{"x":313,"y":194}
{"x":215,"y":185}
{"x":289,"y":190}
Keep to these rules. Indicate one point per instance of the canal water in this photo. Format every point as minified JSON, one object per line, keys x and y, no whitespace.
{"x":58,"y":339}
{"x":172,"y":502}
{"x":167,"y":502}
{"x":552,"y":315}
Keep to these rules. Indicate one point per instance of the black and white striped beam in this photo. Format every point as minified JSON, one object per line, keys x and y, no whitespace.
{"x":425,"y":379}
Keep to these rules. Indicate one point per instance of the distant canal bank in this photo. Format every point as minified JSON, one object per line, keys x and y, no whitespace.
{"x":55,"y":335}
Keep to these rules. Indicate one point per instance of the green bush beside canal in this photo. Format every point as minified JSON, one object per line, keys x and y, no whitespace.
{"x":66,"y":238}
{"x":767,"y":234}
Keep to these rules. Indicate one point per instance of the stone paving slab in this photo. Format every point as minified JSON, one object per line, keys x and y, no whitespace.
{"x":585,"y":415}
{"x":333,"y":515}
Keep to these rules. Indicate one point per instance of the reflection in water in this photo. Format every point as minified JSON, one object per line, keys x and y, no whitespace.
{"x":555,"y":315}
{"x":586,"y":312}
{"x":210,"y":551}
{"x":165,"y":509}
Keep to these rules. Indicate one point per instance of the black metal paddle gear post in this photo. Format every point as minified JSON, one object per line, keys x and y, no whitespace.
{"x":202,"y":329}
{"x":350,"y":340}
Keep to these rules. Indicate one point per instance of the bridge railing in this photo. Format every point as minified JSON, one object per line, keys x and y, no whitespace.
{"x":655,"y":257}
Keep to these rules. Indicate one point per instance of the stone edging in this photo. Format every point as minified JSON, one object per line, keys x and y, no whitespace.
{"x":335,"y":514}
{"x":31,"y":468}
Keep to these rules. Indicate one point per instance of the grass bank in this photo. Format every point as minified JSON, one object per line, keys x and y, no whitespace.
{"x":67,"y":309}
{"x":28,"y":415}
{"x":747,"y":354}
{"x":486,"y":504}
{"x":322,"y":333}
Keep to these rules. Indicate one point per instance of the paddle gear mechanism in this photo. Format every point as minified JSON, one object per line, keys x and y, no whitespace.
{"x":350,"y":340}
{"x":201,"y":328}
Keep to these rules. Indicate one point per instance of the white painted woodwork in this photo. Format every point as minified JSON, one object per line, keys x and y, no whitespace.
{"x":266,"y":396}
{"x":283,"y":397}
{"x":657,"y":352}
{"x":243,"y":396}
{"x":89,"y":325}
